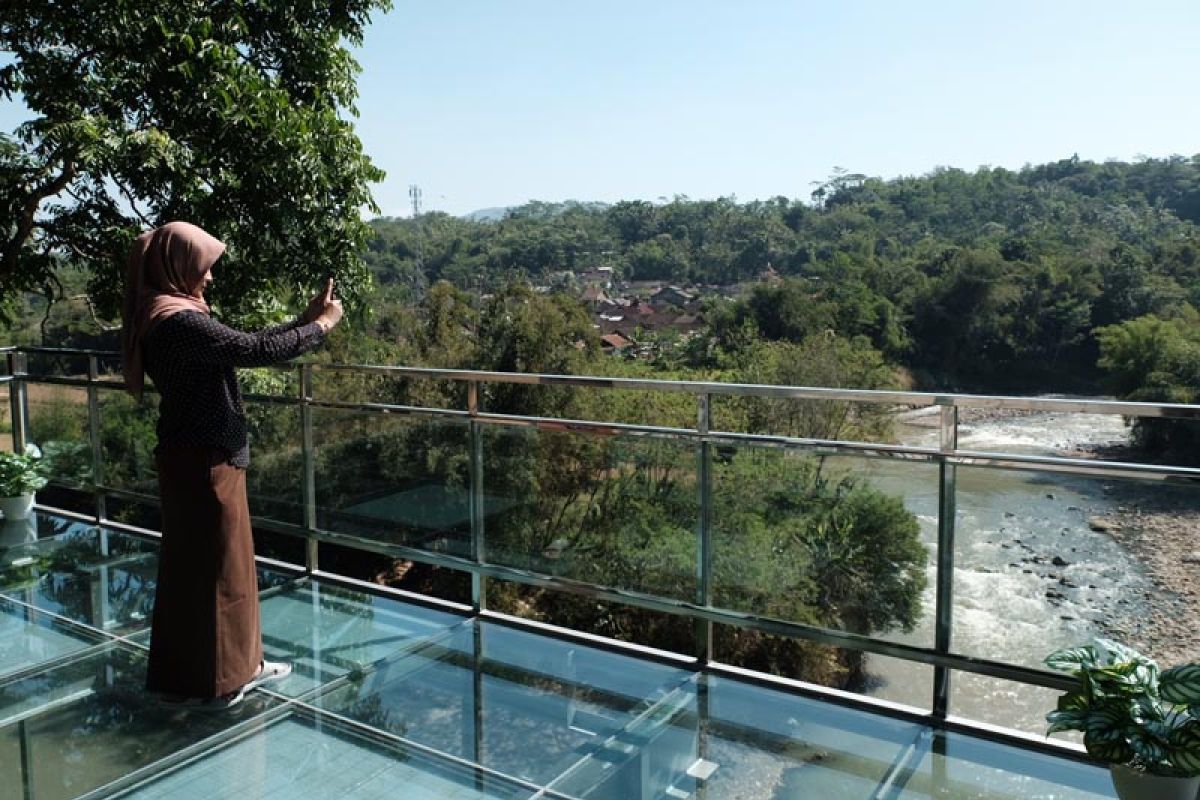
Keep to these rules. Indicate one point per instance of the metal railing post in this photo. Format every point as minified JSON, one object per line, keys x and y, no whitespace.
{"x":704,"y":555}
{"x":478,"y":548}
{"x":18,"y":400}
{"x":311,"y":562}
{"x":93,"y":400}
{"x":944,"y":603}
{"x":477,"y":715}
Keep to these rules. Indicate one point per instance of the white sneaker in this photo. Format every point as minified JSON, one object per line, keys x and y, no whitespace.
{"x":268,"y":671}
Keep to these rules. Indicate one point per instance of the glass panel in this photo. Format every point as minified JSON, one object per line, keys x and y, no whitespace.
{"x":303,"y":759}
{"x":285,"y":547}
{"x":441,"y":583}
{"x":892,"y":679}
{"x":529,"y":706}
{"x":426,"y":696}
{"x":275,"y":480}
{"x":352,"y":386}
{"x":79,"y":501}
{"x":58,"y":424}
{"x":581,"y":612}
{"x":598,"y":404}
{"x":657,"y":753}
{"x":19,"y":538}
{"x":966,"y":768}
{"x":762,"y":743}
{"x":270,"y":582}
{"x":140,"y":514}
{"x":617,"y":511}
{"x":328,"y":631}
{"x":1046,"y":561}
{"x":1000,"y":702}
{"x":62,"y":365}
{"x":10,"y":756}
{"x":89,"y":722}
{"x":834,"y":420}
{"x":839,"y":542}
{"x":127,"y":441}
{"x":896,"y":680}
{"x":402,"y":480}
{"x":28,"y":638}
{"x":108,"y":368}
{"x":5,"y":413}
{"x":92,"y":576}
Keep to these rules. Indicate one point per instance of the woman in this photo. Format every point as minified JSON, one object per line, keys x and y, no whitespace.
{"x":206,"y":644}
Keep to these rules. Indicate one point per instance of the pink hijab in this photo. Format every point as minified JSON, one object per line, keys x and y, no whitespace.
{"x":165,"y":274}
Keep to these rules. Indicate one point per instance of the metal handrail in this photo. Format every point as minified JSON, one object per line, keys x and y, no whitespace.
{"x":956,"y":399}
{"x":946,"y":455}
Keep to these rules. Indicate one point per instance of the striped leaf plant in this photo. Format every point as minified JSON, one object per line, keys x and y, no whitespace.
{"x":1129,"y":711}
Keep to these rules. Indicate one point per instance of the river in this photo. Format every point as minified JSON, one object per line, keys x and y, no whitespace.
{"x":1030,"y":573}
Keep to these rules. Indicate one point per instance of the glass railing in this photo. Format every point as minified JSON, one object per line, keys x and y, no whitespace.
{"x":923,"y":549}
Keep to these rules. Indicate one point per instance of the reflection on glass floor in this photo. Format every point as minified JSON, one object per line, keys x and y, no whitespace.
{"x":394,"y":699}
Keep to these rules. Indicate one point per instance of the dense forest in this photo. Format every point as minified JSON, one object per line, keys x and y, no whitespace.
{"x":994,"y":280}
{"x":1071,"y":277}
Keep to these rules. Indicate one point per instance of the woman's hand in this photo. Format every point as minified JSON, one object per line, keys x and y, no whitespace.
{"x":316,"y":306}
{"x":324,"y":309}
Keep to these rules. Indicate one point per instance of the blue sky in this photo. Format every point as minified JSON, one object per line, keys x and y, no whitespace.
{"x":496,"y":103}
{"x":492,"y":103}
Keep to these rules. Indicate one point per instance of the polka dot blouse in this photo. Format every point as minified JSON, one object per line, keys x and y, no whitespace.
{"x":191,"y":359}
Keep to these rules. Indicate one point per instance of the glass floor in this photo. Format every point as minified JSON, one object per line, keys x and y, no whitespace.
{"x":392,"y":699}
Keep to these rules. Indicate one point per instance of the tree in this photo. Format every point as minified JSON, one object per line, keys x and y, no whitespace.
{"x":228,"y":114}
{"x":522,"y":331}
{"x":1157,"y":360}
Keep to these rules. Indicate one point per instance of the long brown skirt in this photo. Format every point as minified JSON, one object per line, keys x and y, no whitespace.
{"x":205,"y":638}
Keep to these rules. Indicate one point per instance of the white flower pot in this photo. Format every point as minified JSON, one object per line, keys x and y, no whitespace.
{"x":18,"y":541}
{"x":16,"y":507}
{"x":1133,"y":785}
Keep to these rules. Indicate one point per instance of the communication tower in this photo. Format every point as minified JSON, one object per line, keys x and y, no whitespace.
{"x":417,"y":283}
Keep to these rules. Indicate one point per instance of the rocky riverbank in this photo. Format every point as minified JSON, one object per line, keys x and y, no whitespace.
{"x":1160,"y":524}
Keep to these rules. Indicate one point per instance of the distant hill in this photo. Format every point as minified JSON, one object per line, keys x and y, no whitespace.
{"x":535,"y":209}
{"x":488,"y":214}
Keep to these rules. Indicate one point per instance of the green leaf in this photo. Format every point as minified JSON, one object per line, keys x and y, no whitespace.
{"x":1114,"y":652}
{"x":1159,"y":731}
{"x":1108,"y":751}
{"x":1187,"y":760}
{"x":1179,"y":718}
{"x":1066,"y":721}
{"x":1148,"y":749}
{"x":1070,"y":658}
{"x":1186,"y":736}
{"x":1181,"y":684}
{"x":1073,"y":701}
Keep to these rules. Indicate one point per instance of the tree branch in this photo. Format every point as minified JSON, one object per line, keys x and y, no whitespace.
{"x":92,"y":312}
{"x":49,"y":304}
{"x":24,"y":226}
{"x":133,"y":204}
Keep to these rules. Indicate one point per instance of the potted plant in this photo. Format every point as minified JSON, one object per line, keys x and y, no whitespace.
{"x":1142,"y":721}
{"x":20,"y":476}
